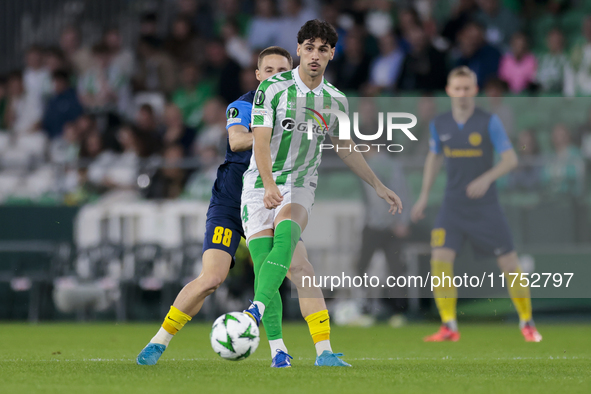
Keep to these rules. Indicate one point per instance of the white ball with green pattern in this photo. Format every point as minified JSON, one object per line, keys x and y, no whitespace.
{"x":234,"y":336}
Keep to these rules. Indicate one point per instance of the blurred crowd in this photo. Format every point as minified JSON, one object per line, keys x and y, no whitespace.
{"x":144,"y":112}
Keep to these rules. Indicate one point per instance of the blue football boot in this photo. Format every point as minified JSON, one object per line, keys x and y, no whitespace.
{"x":330,"y":359}
{"x":281,"y":360}
{"x":150,"y":354}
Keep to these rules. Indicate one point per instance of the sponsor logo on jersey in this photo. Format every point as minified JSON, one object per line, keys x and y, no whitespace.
{"x":475,"y":139}
{"x":288,"y":124}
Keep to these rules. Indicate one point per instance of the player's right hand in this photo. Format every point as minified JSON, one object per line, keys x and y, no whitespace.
{"x":418,"y":210}
{"x":273,"y":197}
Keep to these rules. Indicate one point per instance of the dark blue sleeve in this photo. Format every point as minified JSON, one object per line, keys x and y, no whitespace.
{"x":434,"y":141}
{"x":498,"y":136}
{"x":238,"y":113}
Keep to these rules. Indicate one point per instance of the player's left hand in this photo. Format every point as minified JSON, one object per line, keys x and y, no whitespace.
{"x":478,"y":187}
{"x":391,"y":198}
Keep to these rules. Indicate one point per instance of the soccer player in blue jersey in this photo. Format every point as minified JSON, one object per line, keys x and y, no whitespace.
{"x":222,"y":237}
{"x":467,"y":138}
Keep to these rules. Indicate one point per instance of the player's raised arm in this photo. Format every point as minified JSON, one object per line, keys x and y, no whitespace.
{"x":238,"y":117}
{"x":432,"y":166}
{"x":478,"y":187}
{"x":240,"y":138}
{"x":356,"y":162}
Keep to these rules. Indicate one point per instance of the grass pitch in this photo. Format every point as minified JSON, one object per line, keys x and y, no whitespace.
{"x":100,"y":358}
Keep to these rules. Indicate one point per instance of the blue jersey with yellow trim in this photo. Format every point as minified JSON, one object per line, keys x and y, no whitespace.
{"x":469,"y":151}
{"x":227,"y":188}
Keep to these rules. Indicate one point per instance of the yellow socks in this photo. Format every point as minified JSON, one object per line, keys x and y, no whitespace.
{"x":446,"y":295}
{"x":175,"y":320}
{"x":519,"y":295}
{"x":319,"y":325}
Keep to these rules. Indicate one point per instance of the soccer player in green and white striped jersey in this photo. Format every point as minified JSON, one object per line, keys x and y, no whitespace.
{"x":279,"y":185}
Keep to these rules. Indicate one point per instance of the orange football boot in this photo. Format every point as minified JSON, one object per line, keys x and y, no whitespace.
{"x":444,"y":334}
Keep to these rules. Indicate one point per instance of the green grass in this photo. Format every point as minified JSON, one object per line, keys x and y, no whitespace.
{"x":99,"y":358}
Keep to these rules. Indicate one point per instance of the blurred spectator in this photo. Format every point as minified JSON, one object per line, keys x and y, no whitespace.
{"x":121,"y":58}
{"x":192,"y":94}
{"x":495,"y":89}
{"x":527,"y":175}
{"x":149,"y":25}
{"x":386,"y":68}
{"x":378,"y":19}
{"x":223,"y":70}
{"x":64,"y":149}
{"x":424,"y":67}
{"x":236,"y":47}
{"x":565,"y":171}
{"x":78,"y":57}
{"x":330,"y":14}
{"x":248,"y":79}
{"x":295,"y":14}
{"x":91,"y":153}
{"x":36,"y":77}
{"x":475,"y":53}
{"x":3,"y":103}
{"x":231,"y":10}
{"x":264,"y":26}
{"x":199,"y":184}
{"x":169,"y":181}
{"x":200,"y":15}
{"x":584,"y":136}
{"x":176,"y":132}
{"x":499,"y":22}
{"x":155,"y":70}
{"x":578,"y":76}
{"x":105,"y":86}
{"x":213,"y":132}
{"x":54,"y":60}
{"x":183,"y":45}
{"x":518,"y":67}
{"x":426,"y":111}
{"x":111,"y":170}
{"x":351,"y":71}
{"x":146,"y":120}
{"x":462,"y":13}
{"x":63,"y":106}
{"x":23,"y":111}
{"x":552,"y":64}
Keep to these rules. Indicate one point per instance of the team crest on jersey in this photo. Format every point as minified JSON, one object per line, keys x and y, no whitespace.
{"x":259,"y":97}
{"x":475,"y":139}
{"x":232,"y":113}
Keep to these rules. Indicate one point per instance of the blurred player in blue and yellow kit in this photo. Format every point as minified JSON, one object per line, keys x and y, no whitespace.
{"x":467,"y":137}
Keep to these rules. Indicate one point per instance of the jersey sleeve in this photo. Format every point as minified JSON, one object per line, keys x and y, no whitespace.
{"x":434,"y":141}
{"x":263,"y":111}
{"x":498,"y":136}
{"x":238,"y":113}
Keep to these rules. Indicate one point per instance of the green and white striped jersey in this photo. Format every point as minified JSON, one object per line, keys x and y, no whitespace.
{"x":284,"y":103}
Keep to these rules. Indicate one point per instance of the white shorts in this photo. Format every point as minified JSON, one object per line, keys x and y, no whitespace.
{"x":256,"y":218}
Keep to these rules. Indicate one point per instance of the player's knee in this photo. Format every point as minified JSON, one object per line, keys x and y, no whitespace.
{"x":301,"y":268}
{"x":209,"y":283}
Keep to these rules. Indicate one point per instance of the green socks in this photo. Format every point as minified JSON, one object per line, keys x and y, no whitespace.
{"x":259,"y":249}
{"x":276,"y":264}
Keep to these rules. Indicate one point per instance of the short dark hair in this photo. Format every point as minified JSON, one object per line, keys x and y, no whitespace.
{"x":274,"y":50}
{"x":316,"y":28}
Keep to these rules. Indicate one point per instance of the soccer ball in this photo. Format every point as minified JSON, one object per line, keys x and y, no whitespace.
{"x":234,"y":336}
